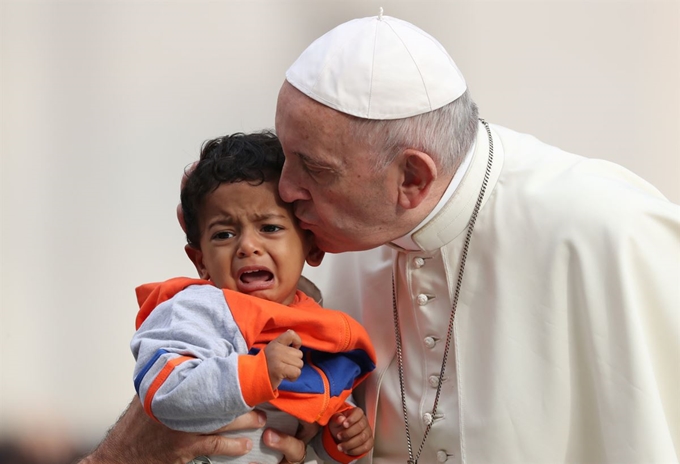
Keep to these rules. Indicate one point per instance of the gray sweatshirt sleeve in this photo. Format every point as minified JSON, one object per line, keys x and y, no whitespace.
{"x":199,"y":393}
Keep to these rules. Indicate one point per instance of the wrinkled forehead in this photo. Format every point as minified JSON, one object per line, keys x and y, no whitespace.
{"x":298,"y":116}
{"x":294,"y":104}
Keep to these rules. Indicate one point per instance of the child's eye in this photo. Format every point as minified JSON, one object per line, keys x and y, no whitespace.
{"x":271,"y":228}
{"x":222,"y":235}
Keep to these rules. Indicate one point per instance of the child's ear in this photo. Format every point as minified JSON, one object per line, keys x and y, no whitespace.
{"x":196,"y":257}
{"x":315,"y":255}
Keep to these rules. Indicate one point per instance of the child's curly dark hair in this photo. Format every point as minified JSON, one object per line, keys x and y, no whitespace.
{"x":253,"y":158}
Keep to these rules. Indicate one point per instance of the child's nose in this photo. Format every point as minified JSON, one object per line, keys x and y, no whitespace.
{"x":249,"y":245}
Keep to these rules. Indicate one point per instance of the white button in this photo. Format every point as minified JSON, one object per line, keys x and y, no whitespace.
{"x":430,"y":342}
{"x":427,"y":418}
{"x":442,"y":456}
{"x":419,"y":262}
{"x":422,"y":299}
{"x":433,"y":380}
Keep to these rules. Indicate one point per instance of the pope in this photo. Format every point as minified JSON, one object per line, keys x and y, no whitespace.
{"x":523,"y":301}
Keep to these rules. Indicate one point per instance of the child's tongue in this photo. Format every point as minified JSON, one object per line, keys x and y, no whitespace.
{"x":257,"y":276}
{"x":258,"y":280}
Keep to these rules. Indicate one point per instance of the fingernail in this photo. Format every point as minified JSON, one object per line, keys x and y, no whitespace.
{"x":274,"y":437}
{"x":261,"y":419}
{"x":249,"y":445}
{"x":340,"y":449}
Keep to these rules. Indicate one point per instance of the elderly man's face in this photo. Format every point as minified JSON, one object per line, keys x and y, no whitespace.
{"x":328,"y":174}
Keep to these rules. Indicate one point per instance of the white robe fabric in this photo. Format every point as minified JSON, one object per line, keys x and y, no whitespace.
{"x":566,"y":344}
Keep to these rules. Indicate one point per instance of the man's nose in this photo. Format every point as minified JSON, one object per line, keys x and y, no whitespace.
{"x":289,"y":185}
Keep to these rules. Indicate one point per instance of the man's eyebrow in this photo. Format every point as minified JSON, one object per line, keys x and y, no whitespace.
{"x":316,"y":163}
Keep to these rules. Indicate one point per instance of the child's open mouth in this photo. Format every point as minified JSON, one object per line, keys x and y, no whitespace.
{"x":255,"y":279}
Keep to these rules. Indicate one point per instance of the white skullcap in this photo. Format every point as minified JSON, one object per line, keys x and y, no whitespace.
{"x":377,"y":68}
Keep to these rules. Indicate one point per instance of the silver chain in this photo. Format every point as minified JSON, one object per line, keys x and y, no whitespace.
{"x":449,"y":334}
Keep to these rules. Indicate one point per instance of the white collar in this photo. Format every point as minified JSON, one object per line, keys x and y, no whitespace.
{"x":406,"y":242}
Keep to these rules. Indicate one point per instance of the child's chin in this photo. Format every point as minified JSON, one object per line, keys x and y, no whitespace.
{"x":268,"y":295}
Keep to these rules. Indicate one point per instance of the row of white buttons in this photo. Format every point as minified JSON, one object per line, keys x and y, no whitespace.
{"x":430,"y":342}
{"x":421,"y":299}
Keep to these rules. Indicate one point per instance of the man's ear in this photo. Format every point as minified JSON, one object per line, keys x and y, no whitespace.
{"x":418,"y":173}
{"x":196,"y":257}
{"x":315,"y":255}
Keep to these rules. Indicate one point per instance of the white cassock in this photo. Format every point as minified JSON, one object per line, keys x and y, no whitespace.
{"x":566,"y":346}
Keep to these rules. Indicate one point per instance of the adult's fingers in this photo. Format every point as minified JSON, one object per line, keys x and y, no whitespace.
{"x":250,"y":420}
{"x":136,"y":439}
{"x":231,"y":446}
{"x":187,"y":172}
{"x":180,"y":218}
{"x":217,"y":444}
{"x":185,"y":176}
{"x":293,"y":449}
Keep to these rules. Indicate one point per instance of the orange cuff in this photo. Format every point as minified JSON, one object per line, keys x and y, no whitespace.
{"x":253,"y":377}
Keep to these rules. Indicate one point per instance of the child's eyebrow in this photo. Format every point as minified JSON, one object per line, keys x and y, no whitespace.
{"x":226,"y":220}
{"x":268,"y":216}
{"x":221,"y":221}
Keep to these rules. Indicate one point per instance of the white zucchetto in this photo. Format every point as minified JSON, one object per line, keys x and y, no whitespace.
{"x":377,"y":68}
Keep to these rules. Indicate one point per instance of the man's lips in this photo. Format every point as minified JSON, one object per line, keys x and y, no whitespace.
{"x":301,"y":220}
{"x":301,"y":214}
{"x":304,"y":225}
{"x":253,"y":278}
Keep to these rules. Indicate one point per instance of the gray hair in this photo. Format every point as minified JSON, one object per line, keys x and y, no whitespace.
{"x":446,"y":134}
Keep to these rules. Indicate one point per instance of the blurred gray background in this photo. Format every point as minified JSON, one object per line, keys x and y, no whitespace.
{"x":105,"y":102}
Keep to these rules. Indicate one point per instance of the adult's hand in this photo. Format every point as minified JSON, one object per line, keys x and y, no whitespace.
{"x":294,"y":449}
{"x":137,"y":439}
{"x":185,"y":176}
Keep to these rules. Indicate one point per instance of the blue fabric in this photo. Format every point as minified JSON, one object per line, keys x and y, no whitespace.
{"x":147,"y":366}
{"x":310,"y":381}
{"x":341,"y":370}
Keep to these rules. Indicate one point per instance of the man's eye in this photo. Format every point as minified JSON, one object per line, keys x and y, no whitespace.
{"x":271,"y":228}
{"x":312,"y":170}
{"x":222,"y":235}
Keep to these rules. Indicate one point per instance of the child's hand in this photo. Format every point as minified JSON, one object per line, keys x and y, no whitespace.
{"x":351,"y":431}
{"x":284,"y":358}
